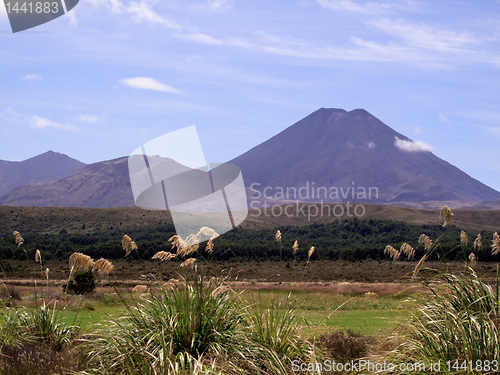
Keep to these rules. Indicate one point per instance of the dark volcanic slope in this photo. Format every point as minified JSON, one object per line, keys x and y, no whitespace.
{"x":334,"y":148}
{"x":103,"y":184}
{"x":48,"y":167}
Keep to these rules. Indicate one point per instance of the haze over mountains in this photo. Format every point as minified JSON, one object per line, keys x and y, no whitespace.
{"x":330,"y":149}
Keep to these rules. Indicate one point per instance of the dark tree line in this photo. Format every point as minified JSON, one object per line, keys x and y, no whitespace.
{"x":350,"y":240}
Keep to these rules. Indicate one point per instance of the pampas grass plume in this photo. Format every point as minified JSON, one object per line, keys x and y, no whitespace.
{"x":163,"y":256}
{"x":446,"y":213}
{"x":79,"y":261}
{"x":103,"y":267}
{"x":407,"y":250}
{"x":38,"y":257}
{"x":188,"y":262}
{"x":128,"y":245}
{"x":19,"y":239}
{"x":419,"y":266}
{"x":495,"y":247}
{"x":472,"y":258}
{"x":311,"y":252}
{"x":478,"y":242}
{"x":463,"y":238}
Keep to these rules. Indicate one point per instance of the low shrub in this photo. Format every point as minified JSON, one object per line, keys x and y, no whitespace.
{"x":82,"y":282}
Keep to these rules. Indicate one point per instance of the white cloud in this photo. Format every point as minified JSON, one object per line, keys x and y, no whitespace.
{"x":202,"y":38}
{"x":425,"y":36}
{"x":140,"y":11}
{"x":88,"y":118}
{"x":410,"y":146}
{"x":365,"y":7}
{"x":371,"y":145}
{"x":443,"y":118}
{"x":40,"y":122}
{"x":148,"y":84}
{"x":218,"y":4}
{"x":31,"y":77}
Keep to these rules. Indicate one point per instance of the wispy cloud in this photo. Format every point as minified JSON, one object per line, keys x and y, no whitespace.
{"x":494,"y":130}
{"x":31,"y":77}
{"x":40,"y":122}
{"x":366,"y":7}
{"x":425,"y":36}
{"x":148,"y":84}
{"x":140,"y":11}
{"x":88,"y":118}
{"x":214,"y":5}
{"x":410,"y":146}
{"x":443,"y":118}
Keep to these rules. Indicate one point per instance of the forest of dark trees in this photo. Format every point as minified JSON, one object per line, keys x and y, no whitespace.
{"x":350,"y":240}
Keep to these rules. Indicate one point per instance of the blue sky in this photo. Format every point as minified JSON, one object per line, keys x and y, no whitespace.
{"x":113,"y":74}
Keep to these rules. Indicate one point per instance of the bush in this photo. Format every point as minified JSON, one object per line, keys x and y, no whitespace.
{"x":9,"y":292}
{"x":83,"y":282}
{"x":344,"y":346}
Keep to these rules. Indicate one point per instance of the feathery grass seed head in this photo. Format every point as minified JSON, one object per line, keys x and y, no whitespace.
{"x":128,"y":245}
{"x":426,"y":241}
{"x":407,"y":250}
{"x":478,"y":242}
{"x":278,"y":236}
{"x":188,"y":262}
{"x":419,"y":266}
{"x":447,"y":214}
{"x":463,"y":238}
{"x":79,"y":261}
{"x":38,"y":257}
{"x":310,"y":252}
{"x":495,"y":247}
{"x":163,"y":256}
{"x":103,"y":267}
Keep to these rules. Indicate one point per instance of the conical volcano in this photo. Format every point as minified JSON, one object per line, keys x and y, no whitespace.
{"x":338,"y":155}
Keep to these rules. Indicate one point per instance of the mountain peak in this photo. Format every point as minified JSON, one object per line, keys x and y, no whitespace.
{"x":333,"y":148}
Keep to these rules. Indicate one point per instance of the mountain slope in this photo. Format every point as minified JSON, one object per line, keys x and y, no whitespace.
{"x":333,"y":148}
{"x":47,"y":167}
{"x":98,"y":185}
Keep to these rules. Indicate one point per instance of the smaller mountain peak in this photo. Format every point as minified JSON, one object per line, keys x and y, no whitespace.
{"x":360,"y":112}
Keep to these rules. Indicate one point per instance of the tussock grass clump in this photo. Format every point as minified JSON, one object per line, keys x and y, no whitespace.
{"x":198,"y":327}
{"x":40,"y":326}
{"x":458,"y":319}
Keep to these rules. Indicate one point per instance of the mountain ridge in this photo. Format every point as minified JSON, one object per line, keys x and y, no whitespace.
{"x":44,"y":168}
